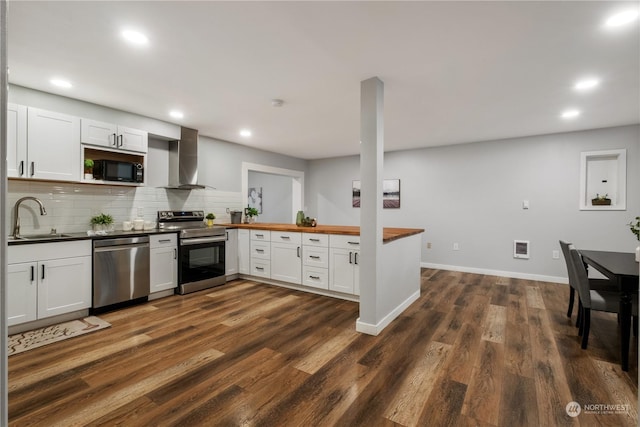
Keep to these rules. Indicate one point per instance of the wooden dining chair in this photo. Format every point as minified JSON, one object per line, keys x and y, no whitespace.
{"x":594,"y":284}
{"x":600,"y":300}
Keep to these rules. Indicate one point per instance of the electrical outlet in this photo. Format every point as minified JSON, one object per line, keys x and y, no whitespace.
{"x":428,"y":245}
{"x":555,"y":254}
{"x":456,"y":247}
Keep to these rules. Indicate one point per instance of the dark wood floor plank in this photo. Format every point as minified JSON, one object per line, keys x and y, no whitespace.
{"x":482,"y":400}
{"x":517,"y":406}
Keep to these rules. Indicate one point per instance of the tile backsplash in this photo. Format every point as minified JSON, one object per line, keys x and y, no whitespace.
{"x":71,"y":206}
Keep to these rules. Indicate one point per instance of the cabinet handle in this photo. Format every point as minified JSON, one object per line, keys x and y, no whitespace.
{"x":42,"y":271}
{"x":21,"y":167}
{"x":164,"y":240}
{"x":356,"y":258}
{"x":314,"y":240}
{"x":260,"y":268}
{"x":350,"y":255}
{"x":33,"y":168}
{"x":33,"y":273}
{"x":353,"y":243}
{"x":259,"y":235}
{"x":115,"y":140}
{"x":175,"y":253}
{"x":314,"y":277}
{"x":120,"y":139}
{"x":260,"y":250}
{"x":298,"y":251}
{"x":285,"y":237}
{"x":227,"y":233}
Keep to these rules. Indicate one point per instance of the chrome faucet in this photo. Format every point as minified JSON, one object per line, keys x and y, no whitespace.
{"x":16,"y":219}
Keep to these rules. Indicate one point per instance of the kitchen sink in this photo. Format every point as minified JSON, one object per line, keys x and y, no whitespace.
{"x":40,"y":236}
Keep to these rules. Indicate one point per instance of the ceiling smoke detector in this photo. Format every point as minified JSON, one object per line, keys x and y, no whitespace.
{"x":277,"y":102}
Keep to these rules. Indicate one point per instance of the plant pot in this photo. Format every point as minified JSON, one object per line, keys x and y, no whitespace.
{"x":209,"y":223}
{"x":601,"y":202}
{"x":88,"y":176}
{"x":638,"y":254}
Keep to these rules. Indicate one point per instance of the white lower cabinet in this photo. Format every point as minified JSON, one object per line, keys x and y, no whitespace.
{"x":163,"y":262}
{"x":345,"y":269}
{"x":244,"y":252}
{"x":286,"y":257}
{"x":231,"y":252}
{"x":48,"y":279}
{"x":315,"y":260}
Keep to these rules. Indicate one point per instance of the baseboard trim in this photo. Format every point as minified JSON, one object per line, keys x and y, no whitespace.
{"x":500,"y":273}
{"x":371,"y":329}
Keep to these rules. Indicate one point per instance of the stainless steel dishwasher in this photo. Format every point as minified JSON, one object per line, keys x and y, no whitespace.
{"x":120,"y":270}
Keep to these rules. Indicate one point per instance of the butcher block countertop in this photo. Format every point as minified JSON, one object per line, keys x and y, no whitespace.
{"x":389,"y":234}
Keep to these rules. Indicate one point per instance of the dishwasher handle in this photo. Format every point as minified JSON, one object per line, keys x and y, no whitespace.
{"x":120,"y":247}
{"x":120,"y":241}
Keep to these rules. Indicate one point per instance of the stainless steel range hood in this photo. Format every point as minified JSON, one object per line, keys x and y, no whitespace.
{"x":183,"y":161}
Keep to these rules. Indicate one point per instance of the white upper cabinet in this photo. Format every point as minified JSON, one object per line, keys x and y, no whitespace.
{"x":112,"y":136}
{"x":53,"y":146}
{"x":16,"y":141}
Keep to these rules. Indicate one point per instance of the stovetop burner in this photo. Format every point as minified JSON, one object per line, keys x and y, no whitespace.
{"x":190,"y":224}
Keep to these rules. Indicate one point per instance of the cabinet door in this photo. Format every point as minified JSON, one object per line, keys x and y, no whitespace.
{"x":244,"y":252}
{"x":163,"y":267}
{"x":98,"y":133}
{"x":22,"y":293}
{"x":64,"y":285}
{"x":53,"y":145}
{"x":341,"y":270}
{"x":132,"y":139}
{"x":286,"y":262}
{"x":16,"y":141}
{"x":231,"y":252}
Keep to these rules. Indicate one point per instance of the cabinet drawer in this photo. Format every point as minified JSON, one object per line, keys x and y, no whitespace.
{"x":345,"y":242}
{"x":261,"y":250}
{"x":261,"y":268}
{"x":315,"y":257}
{"x":264,"y":235}
{"x":315,"y":277}
{"x":169,"y":240}
{"x":51,"y":250}
{"x":286,"y":237}
{"x":315,"y":239}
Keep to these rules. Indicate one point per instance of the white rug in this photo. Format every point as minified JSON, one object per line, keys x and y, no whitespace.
{"x":43,"y":336}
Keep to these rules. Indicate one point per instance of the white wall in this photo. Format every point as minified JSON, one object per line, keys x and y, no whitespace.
{"x":276,"y":196}
{"x":472,"y":194}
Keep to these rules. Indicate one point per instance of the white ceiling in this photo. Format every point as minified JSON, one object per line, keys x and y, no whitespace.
{"x":454,"y":72}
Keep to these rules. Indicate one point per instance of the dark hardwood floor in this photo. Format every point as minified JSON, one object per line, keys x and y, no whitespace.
{"x":472,"y":351}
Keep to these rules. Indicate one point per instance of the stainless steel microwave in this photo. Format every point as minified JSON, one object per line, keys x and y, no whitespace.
{"x":113,"y":170}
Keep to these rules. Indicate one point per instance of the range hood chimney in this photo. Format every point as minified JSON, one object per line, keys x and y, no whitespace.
{"x":183,"y":161}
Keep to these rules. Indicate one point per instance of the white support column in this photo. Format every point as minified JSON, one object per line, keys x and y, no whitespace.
{"x":371,"y":168}
{"x":4,"y":382}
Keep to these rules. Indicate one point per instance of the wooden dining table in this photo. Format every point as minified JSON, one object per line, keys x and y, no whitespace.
{"x":622,"y":269}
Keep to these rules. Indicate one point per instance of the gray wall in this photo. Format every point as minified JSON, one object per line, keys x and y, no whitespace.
{"x":276,"y":196}
{"x":472,"y":194}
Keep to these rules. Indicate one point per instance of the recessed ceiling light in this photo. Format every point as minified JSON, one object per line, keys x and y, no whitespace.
{"x":245,"y":132}
{"x":570,"y":114}
{"x":135,"y":37}
{"x":586,"y":84}
{"x":622,"y":18}
{"x":65,"y":84}
{"x":176,"y":114}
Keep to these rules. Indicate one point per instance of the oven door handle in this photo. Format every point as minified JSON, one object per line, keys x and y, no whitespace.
{"x":199,"y":240}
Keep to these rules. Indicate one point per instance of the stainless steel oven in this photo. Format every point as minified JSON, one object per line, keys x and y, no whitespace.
{"x":201,"y":256}
{"x":201,"y":263}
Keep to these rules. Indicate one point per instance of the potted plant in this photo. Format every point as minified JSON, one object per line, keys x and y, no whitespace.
{"x":634,"y":226}
{"x":250,"y":214}
{"x":601,"y":200}
{"x":102,"y":222}
{"x":210,"y":217}
{"x":88,"y":169}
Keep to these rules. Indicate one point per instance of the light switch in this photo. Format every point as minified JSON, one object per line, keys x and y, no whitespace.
{"x":525,"y":204}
